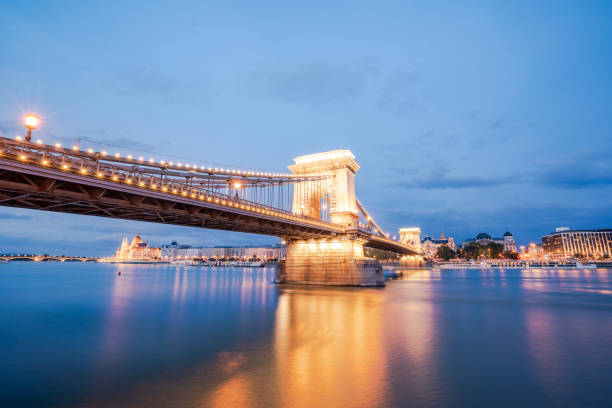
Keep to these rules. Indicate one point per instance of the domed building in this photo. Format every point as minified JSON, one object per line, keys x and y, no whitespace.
{"x":429,"y":245}
{"x":137,"y":250}
{"x":509,"y":242}
{"x":484,"y":239}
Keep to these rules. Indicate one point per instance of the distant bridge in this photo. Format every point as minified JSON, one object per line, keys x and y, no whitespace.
{"x":45,"y":258}
{"x":315,"y":204}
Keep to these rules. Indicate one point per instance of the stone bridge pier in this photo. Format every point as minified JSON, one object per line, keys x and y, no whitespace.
{"x":337,"y":260}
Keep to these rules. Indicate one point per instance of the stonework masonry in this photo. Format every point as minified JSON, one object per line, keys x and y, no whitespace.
{"x":329,"y":262}
{"x":336,"y":261}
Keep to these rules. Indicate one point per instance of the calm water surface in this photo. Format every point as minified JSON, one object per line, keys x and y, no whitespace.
{"x":78,"y":335}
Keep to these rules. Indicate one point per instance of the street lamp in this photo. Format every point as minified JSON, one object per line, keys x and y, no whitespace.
{"x":237,"y":187}
{"x":31,"y":122}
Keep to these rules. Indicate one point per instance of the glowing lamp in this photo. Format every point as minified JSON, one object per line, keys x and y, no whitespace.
{"x":31,"y":122}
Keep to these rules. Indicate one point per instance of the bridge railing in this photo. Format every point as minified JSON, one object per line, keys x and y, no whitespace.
{"x":246,"y":190}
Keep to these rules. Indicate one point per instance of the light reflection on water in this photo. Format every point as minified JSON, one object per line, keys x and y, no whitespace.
{"x":79,"y":335}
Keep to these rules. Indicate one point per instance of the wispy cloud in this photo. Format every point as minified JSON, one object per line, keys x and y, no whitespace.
{"x":316,"y":82}
{"x":11,"y":216}
{"x":578,"y":171}
{"x":101,"y":236}
{"x":147,"y":82}
{"x":452,"y":182}
{"x":442,"y":178}
{"x":527,"y":223}
{"x":401,"y":94}
{"x":9,"y":129}
{"x":591,"y":169}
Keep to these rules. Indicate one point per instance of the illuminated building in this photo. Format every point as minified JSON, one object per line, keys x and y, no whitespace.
{"x":566,"y":243}
{"x":175,"y":252}
{"x":136,"y":251}
{"x":429,"y":246}
{"x":532,"y":252}
{"x":485,"y":239}
{"x":509,"y":242}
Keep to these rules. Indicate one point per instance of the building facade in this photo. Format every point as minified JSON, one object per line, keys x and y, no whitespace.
{"x":591,"y":244}
{"x":485,"y":239}
{"x":533,"y":252}
{"x":174,"y":252}
{"x":429,"y":245}
{"x":137,"y":250}
{"x":509,"y":242}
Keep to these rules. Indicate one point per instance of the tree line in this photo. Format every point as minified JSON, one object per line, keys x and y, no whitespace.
{"x":474,"y":251}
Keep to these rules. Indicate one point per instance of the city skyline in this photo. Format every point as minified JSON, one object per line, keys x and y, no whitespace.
{"x":481,"y":119}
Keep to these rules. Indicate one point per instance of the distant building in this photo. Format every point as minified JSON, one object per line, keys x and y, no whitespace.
{"x":265,"y":253}
{"x":566,"y":243}
{"x":429,"y":245}
{"x":532,"y":252}
{"x":137,"y":250}
{"x":485,"y":239}
{"x":509,"y":242}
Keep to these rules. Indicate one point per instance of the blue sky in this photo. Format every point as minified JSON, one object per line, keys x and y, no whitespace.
{"x":466,"y":117}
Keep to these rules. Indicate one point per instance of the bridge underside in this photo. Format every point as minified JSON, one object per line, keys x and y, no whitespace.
{"x":56,"y":191}
{"x":389,"y":245}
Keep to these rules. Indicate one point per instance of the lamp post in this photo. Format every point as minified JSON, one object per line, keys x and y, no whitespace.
{"x":31,"y":122}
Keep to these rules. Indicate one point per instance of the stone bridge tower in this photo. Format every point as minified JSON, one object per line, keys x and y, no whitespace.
{"x":337,"y":260}
{"x":337,"y":186}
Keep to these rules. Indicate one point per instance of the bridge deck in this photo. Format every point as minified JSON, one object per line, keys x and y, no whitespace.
{"x":28,"y":180}
{"x":27,"y":186}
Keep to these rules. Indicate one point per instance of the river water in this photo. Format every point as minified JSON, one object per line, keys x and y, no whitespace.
{"x":79,"y":335}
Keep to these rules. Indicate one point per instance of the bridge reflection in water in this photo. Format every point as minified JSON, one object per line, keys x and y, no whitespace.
{"x":226,"y":337}
{"x":324,"y":347}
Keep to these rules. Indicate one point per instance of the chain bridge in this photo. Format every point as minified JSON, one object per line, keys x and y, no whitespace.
{"x":313,"y":208}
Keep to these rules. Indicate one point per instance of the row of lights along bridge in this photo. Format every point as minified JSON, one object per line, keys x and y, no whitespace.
{"x":32,"y":122}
